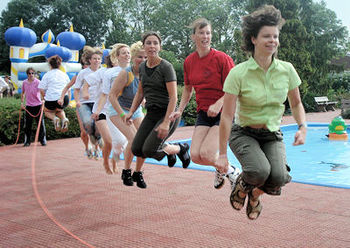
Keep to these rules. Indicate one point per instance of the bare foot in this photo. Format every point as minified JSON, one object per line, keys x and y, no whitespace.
{"x":107,"y":169}
{"x":115,"y":166}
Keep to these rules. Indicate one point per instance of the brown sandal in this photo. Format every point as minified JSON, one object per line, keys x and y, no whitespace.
{"x":250,"y":209}
{"x":235,"y":197}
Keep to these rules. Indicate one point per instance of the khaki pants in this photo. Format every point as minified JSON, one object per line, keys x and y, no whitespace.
{"x":262,"y":155}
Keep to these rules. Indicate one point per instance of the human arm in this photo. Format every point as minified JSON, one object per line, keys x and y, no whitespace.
{"x":215,"y":108}
{"x":66,"y":88}
{"x":22,"y":96}
{"x":85,"y":90}
{"x":163,"y":128}
{"x":299,"y":115}
{"x":77,"y":97}
{"x":185,"y":98}
{"x":101,"y":102}
{"x":118,"y":85}
{"x":138,"y":98}
{"x":227,"y":114}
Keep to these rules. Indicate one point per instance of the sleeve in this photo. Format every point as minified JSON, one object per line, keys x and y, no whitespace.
{"x":79,"y":81}
{"x":105,"y":83}
{"x":232,"y":83}
{"x":294,"y":79}
{"x":169,"y":73}
{"x":44,"y":82}
{"x":227,"y":65}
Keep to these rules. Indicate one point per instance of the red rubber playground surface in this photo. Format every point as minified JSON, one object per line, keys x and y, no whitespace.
{"x":66,"y":200}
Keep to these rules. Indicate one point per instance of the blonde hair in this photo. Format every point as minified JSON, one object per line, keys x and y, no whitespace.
{"x":114,"y":53}
{"x":136,"y":48}
{"x":88,"y":51}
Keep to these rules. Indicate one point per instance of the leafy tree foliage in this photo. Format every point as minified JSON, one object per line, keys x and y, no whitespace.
{"x":310,"y":39}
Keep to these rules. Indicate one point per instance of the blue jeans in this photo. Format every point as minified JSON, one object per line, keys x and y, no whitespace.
{"x":85,"y":112}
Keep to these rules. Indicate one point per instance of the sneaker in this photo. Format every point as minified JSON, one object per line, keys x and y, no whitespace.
{"x":138,"y":178}
{"x":26,"y":144}
{"x":219,"y":179}
{"x":126,"y":177}
{"x":89,"y":152}
{"x":96,"y":153}
{"x":171,"y":159}
{"x":64,"y":126}
{"x":184,"y":155}
{"x":43,"y":141}
{"x":56,"y":123}
{"x":232,"y":177}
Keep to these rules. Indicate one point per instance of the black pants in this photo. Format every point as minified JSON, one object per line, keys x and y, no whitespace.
{"x":28,"y":121}
{"x":146,"y":144}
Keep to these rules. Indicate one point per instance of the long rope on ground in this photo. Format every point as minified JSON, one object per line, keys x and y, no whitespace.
{"x":36,"y":192}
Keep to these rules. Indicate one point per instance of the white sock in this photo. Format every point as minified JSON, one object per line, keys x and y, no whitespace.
{"x":230,"y":170}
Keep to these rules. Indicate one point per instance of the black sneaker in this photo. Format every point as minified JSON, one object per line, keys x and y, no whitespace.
{"x":171,"y":160}
{"x":43,"y":142}
{"x":26,"y":144}
{"x":184,"y":155}
{"x":138,"y":178}
{"x":126,"y":177}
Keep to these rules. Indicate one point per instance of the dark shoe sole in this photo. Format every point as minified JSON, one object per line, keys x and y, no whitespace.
{"x":184,"y":155}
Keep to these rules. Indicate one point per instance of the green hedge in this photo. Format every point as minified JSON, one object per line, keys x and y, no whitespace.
{"x":9,"y":115}
{"x":190,"y":113}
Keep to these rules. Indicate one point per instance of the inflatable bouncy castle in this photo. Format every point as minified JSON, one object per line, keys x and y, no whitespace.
{"x":22,"y":42}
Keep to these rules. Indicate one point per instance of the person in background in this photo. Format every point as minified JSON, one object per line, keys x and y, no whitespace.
{"x":31,"y":95}
{"x":158,"y":86}
{"x":205,"y":71}
{"x":94,"y":57}
{"x":51,"y":87}
{"x":255,"y":91}
{"x":83,"y":134}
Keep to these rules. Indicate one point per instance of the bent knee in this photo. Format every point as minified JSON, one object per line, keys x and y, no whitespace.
{"x":256,"y":177}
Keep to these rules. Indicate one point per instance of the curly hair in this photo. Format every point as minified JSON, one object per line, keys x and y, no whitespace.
{"x":114,"y":53}
{"x":266,"y":15}
{"x":136,"y":48}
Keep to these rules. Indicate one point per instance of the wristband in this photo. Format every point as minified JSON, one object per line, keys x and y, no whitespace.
{"x":302,"y":125}
{"x":122,"y":114}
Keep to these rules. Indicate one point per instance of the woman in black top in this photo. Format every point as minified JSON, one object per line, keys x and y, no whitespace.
{"x":158,"y":86}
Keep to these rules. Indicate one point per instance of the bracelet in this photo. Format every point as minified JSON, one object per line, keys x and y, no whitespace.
{"x":122,"y":114}
{"x":302,"y":125}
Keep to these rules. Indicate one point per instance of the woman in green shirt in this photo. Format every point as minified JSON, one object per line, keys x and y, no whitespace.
{"x":255,"y":91}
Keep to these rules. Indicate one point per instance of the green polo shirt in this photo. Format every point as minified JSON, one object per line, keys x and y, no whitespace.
{"x":261,"y":95}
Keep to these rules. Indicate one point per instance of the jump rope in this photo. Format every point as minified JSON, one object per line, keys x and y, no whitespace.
{"x":34,"y":182}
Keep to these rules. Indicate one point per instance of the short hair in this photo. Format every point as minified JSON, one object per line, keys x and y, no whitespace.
{"x":199,"y":23}
{"x":30,"y":69}
{"x":266,"y":15}
{"x":151,"y":33}
{"x":114,"y":53}
{"x":136,"y":48}
{"x":55,"y":61}
{"x":88,"y":52}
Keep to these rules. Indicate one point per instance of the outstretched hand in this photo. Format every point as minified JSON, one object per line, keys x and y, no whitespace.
{"x":174,"y":115}
{"x":299,"y":138}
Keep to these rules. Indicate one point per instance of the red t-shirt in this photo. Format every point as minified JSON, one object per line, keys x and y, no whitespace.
{"x":207,"y":76}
